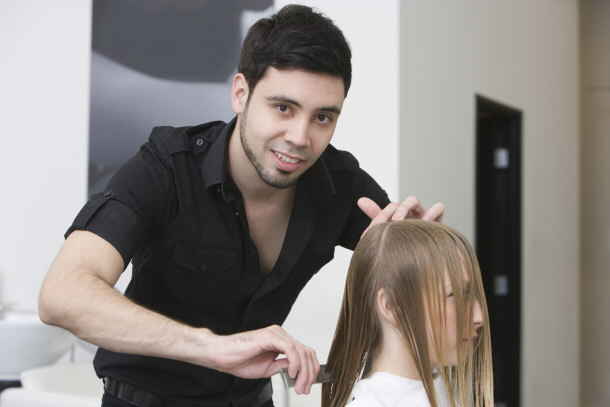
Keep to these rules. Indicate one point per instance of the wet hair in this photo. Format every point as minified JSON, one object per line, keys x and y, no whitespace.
{"x":296,"y":37}
{"x":410,"y":260}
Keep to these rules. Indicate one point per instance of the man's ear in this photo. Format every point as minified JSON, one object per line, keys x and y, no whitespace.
{"x":384,"y":307}
{"x":239,"y":93}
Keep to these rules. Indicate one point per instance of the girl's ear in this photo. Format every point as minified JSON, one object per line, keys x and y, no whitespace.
{"x":239,"y":93}
{"x":384,"y":307}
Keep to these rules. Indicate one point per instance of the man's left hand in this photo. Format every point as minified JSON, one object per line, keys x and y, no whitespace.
{"x":410,"y":208}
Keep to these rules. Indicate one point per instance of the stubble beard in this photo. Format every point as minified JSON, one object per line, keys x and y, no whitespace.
{"x":282,"y":180}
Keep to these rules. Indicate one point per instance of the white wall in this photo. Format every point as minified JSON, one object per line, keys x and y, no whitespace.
{"x":523,"y":54}
{"x":44,"y":108}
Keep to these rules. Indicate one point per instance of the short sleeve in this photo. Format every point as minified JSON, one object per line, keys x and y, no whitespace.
{"x":134,"y":204}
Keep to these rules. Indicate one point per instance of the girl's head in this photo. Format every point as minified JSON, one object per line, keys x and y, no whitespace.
{"x":424,"y":278}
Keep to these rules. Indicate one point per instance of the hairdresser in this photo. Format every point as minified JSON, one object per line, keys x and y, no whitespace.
{"x":224,"y":224}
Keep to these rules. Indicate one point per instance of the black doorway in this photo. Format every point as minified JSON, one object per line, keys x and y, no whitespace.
{"x":498,"y":238}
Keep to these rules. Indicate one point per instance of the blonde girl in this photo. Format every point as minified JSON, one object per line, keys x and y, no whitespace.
{"x":413,"y":328}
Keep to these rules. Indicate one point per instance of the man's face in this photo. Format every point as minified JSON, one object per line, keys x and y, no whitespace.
{"x":288,"y":122}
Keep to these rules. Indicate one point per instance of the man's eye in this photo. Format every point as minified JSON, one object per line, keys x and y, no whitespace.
{"x":322,"y":118}
{"x":282,"y":108}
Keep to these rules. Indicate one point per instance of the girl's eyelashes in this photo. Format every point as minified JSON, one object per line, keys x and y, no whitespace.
{"x":465,"y":293}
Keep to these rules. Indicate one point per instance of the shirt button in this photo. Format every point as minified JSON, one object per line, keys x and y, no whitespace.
{"x":199,"y":142}
{"x":203,"y":267}
{"x":106,"y":194}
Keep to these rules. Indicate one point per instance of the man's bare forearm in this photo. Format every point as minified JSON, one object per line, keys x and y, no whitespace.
{"x":78,"y":295}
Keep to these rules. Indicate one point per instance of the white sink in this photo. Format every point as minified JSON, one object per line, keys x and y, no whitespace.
{"x":26,"y":342}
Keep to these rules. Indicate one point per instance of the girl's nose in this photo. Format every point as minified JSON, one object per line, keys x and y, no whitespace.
{"x":477,"y":315}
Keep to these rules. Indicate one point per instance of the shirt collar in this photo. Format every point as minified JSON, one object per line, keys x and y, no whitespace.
{"x":214,"y":166}
{"x":319,"y":183}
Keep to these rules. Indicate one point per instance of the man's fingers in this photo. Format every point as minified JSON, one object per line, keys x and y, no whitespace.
{"x":386,"y":213}
{"x":373,"y":211}
{"x":313,"y":367}
{"x":409,"y":208}
{"x":435,"y":213}
{"x":300,"y":360}
{"x":307,"y":368}
{"x":369,"y":207}
{"x":277,"y":365}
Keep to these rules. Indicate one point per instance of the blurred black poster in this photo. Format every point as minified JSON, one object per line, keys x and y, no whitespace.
{"x":160,"y":62}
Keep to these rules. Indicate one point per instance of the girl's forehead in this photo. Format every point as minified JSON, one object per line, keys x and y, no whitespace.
{"x":465,"y":276}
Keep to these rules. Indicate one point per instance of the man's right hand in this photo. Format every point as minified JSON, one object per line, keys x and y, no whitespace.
{"x":254,"y":354}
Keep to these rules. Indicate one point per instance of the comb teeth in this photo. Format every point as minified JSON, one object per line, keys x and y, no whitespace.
{"x":288,"y":381}
{"x":323,"y":377}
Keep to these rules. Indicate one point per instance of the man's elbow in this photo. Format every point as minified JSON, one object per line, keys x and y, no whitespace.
{"x":50,"y":309}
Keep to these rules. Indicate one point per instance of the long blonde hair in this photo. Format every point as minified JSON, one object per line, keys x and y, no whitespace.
{"x":409,"y":260}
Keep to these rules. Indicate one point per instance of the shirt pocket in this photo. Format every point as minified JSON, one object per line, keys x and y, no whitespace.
{"x":204,"y":273}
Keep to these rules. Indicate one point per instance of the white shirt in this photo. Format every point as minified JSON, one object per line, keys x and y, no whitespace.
{"x":388,"y":390}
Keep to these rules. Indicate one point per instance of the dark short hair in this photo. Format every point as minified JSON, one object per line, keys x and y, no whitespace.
{"x":295,"y":37}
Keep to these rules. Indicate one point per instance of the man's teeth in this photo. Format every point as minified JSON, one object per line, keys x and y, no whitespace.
{"x":286,"y":158}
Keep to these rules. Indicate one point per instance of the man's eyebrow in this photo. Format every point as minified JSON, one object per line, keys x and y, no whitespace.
{"x":285,"y":99}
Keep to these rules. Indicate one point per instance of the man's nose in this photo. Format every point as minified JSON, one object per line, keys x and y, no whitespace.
{"x":298,"y":133}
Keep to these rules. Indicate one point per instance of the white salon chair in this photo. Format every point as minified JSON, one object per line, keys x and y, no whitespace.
{"x":67,"y":385}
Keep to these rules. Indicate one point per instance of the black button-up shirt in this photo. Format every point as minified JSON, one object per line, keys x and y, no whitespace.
{"x":175,"y":213}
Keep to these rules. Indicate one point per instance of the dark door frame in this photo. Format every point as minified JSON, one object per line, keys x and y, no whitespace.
{"x":498,"y":237}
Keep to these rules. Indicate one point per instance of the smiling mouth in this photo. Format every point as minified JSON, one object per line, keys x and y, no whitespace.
{"x":286,"y":158}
